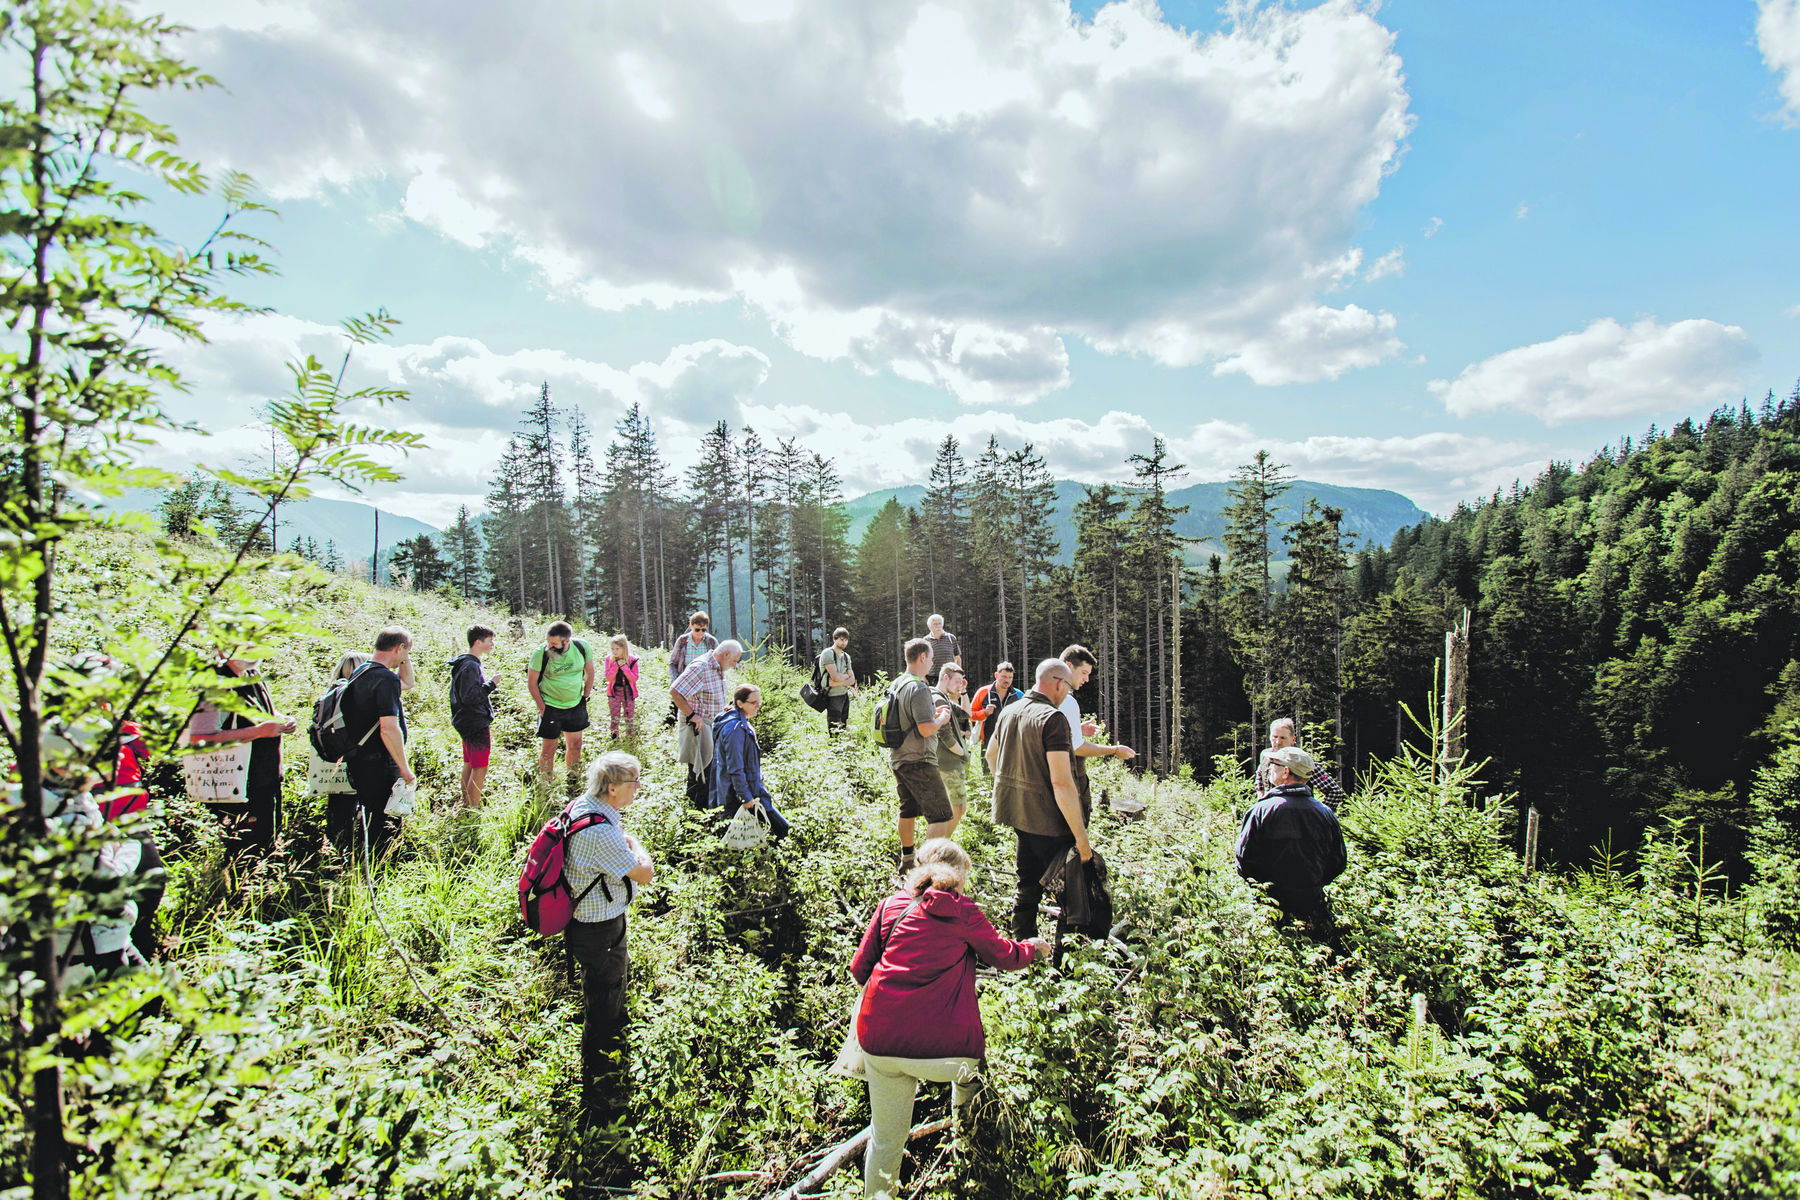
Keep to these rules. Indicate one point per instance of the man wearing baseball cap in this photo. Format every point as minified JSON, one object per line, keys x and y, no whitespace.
{"x":1292,"y":842}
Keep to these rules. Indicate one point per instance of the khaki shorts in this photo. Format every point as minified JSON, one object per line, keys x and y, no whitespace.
{"x":922,"y":791}
{"x":956,"y":785}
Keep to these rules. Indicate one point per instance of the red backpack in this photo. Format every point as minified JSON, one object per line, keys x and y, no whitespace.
{"x":544,"y":896}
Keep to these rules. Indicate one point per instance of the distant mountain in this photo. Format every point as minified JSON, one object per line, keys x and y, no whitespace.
{"x":1371,"y":514}
{"x":349,"y":523}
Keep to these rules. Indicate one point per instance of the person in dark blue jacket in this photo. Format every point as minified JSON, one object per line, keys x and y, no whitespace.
{"x":736,"y":780}
{"x":1292,"y":842}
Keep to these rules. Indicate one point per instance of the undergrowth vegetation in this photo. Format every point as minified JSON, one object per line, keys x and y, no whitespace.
{"x":1476,"y":1031}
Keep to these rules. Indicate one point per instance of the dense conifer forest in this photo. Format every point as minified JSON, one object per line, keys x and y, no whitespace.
{"x":1635,"y":632}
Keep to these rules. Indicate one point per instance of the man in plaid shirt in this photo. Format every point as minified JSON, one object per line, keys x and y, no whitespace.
{"x":1281,"y":733}
{"x":700,"y":693}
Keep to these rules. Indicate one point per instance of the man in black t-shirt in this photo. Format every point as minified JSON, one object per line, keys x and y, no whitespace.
{"x":372,"y":706}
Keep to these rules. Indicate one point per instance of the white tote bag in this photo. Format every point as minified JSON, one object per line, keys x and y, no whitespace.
{"x":218,"y":776}
{"x":326,"y":778}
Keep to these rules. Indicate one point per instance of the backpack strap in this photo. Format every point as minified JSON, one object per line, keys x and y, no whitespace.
{"x":588,"y":821}
{"x":889,"y":931}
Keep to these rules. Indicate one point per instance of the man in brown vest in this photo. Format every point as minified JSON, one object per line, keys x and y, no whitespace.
{"x":1030,"y":756}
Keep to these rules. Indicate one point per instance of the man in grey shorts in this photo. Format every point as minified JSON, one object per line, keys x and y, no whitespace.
{"x":914,"y":761}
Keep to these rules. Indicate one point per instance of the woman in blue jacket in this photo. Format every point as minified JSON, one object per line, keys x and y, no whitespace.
{"x":737,"y":780}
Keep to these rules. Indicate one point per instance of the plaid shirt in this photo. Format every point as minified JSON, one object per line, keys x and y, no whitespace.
{"x":685,"y":649}
{"x":702,"y":685}
{"x":1329,"y":792}
{"x":599,"y":850}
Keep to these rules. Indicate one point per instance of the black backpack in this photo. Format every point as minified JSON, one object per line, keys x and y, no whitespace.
{"x":328,"y":733}
{"x":812,"y":693}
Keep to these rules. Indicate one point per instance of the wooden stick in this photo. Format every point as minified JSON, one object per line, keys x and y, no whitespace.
{"x":733,"y":1177}
{"x":844,"y":1153}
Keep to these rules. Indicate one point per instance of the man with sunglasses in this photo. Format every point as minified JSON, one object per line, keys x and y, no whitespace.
{"x":692,"y":645}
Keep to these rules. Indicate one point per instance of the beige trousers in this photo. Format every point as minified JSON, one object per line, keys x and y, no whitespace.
{"x":892,"y":1084}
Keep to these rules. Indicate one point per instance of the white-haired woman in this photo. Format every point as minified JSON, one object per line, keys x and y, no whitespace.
{"x":603,"y":865}
{"x":919,"y":1018}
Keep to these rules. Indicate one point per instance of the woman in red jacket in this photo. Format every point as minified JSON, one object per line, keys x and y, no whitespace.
{"x":919,"y":1018}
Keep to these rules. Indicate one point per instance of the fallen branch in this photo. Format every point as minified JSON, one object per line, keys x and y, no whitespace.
{"x":733,"y":1177}
{"x":844,"y":1153}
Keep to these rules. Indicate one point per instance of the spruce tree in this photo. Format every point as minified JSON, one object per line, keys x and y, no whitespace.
{"x":1251,"y":530}
{"x":462,"y":546}
{"x":1153,"y":527}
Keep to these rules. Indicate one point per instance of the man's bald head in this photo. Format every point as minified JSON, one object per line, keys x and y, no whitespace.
{"x":1051,"y":671}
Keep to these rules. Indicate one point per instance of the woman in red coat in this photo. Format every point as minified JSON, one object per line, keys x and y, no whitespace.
{"x":919,"y":1018}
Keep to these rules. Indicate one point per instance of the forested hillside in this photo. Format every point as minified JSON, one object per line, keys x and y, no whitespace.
{"x":1634,"y":621}
{"x":1481,"y":1032}
{"x":1636,"y":625}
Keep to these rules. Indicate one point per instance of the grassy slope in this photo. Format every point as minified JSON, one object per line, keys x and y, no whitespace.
{"x":1480,"y":1034}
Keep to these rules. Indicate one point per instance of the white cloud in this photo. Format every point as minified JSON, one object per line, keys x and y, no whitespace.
{"x":1792,"y":310}
{"x":1391,"y":263}
{"x":943,"y":191}
{"x":466,"y":398}
{"x":1778,"y":37}
{"x":1521,"y":212}
{"x":1432,"y":226}
{"x":1607,"y":370}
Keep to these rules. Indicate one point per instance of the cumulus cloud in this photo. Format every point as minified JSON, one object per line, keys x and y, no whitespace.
{"x":942,"y":191}
{"x":1391,"y":263}
{"x":466,"y":398}
{"x":1607,"y":370}
{"x":1435,"y":470}
{"x":1778,"y":37}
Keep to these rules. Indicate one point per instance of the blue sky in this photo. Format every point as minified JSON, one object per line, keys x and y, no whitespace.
{"x":1424,"y":246}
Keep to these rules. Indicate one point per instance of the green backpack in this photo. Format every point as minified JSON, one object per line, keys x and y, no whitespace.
{"x":890,"y":722}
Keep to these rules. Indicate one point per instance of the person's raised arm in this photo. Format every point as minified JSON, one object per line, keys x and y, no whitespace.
{"x":1068,"y":799}
{"x":405,"y":672}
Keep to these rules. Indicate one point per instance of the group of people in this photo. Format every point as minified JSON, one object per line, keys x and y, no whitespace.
{"x":918,"y":1018}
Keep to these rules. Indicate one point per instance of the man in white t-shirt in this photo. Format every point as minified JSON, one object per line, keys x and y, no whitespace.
{"x":1081,"y":662}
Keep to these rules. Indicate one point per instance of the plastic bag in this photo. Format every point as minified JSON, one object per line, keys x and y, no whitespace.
{"x":748,"y":829}
{"x":400,"y":800}
{"x":850,"y":1062}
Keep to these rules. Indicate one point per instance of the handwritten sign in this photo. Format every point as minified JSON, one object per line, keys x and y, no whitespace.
{"x":218,"y":776}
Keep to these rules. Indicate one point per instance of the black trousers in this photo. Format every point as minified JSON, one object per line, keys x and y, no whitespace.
{"x":152,"y":881}
{"x":254,"y":824}
{"x":373,"y":779}
{"x":837,"y":713}
{"x":699,"y":790}
{"x":599,"y":946}
{"x":1036,"y":852}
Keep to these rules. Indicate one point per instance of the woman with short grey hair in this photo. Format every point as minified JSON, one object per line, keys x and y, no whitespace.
{"x":603,"y":866}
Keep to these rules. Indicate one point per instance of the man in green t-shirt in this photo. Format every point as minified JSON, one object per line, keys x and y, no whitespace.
{"x":560,"y":679}
{"x":834,"y":665}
